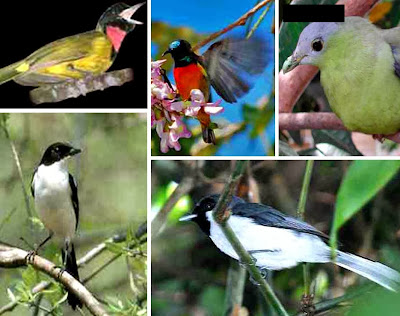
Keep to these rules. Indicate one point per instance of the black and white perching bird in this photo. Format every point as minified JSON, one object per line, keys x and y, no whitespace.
{"x":277,"y":241}
{"x":56,"y":202}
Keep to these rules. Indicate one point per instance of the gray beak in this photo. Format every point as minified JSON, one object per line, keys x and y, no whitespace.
{"x":74,"y":151}
{"x":291,"y":63}
{"x":187,"y":217}
{"x":127,"y":13}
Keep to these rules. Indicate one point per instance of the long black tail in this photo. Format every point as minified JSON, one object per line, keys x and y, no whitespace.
{"x":72,"y":268}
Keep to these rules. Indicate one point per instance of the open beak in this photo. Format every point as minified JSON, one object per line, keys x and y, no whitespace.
{"x":168,"y":51}
{"x":127,"y":13}
{"x":291,"y":63}
{"x":74,"y":151}
{"x":187,"y":217}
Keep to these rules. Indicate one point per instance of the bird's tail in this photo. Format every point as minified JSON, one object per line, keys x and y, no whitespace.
{"x":72,"y":268}
{"x":375,"y":271}
{"x":10,"y":72}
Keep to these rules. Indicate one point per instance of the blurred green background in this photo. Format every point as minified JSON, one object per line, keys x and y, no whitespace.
{"x":189,"y":274}
{"x":111,"y":176}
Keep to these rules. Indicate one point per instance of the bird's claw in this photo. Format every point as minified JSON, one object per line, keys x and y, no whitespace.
{"x":30,"y":256}
{"x":60,"y":273}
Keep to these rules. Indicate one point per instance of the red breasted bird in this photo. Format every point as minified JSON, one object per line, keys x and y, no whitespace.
{"x":226,"y":65}
{"x":77,"y":56}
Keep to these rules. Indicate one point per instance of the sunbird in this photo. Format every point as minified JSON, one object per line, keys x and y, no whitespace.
{"x":360,"y":71}
{"x":225,"y":65}
{"x":77,"y":56}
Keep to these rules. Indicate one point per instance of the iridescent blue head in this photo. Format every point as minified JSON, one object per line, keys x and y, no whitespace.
{"x":179,"y":49}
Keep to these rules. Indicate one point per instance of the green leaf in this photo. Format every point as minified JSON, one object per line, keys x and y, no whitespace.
{"x":363,"y":180}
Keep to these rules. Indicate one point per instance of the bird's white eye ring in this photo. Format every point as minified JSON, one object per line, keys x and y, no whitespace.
{"x":317,"y":45}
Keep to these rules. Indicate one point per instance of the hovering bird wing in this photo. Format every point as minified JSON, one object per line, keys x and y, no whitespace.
{"x":70,"y":57}
{"x":229,"y":61}
{"x":392,"y":37}
{"x":268,"y":216}
{"x":74,"y":197}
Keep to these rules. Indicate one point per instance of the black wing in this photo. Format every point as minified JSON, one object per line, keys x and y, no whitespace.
{"x":268,"y":216}
{"x":74,"y":197}
{"x":230,"y":61}
{"x":32,"y":184}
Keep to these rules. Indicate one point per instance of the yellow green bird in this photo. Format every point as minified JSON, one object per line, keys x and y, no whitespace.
{"x":360,"y":71}
{"x":77,"y":56}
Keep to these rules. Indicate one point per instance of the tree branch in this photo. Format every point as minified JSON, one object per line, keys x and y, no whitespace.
{"x":241,"y":21}
{"x":321,"y":120}
{"x":90,"y":255}
{"x":14,"y":258}
{"x":74,"y":88}
{"x":300,"y":214}
{"x":17,"y":163}
{"x":292,"y":84}
{"x":183,"y":188}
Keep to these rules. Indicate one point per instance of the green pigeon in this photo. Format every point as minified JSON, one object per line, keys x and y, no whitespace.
{"x":360,"y":71}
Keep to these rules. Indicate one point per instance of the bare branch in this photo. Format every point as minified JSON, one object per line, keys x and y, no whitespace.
{"x":14,"y":257}
{"x":74,"y":88}
{"x":322,"y":120}
{"x":297,"y":121}
{"x":90,"y":255}
{"x":241,"y":21}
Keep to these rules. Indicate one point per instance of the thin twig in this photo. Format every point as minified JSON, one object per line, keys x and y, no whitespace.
{"x":258,"y":22}
{"x":183,"y":188}
{"x":18,"y":164}
{"x":300,"y":214}
{"x":221,"y":215}
{"x":241,"y":21}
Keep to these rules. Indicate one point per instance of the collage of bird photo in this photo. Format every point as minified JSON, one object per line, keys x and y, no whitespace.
{"x":200,"y":158}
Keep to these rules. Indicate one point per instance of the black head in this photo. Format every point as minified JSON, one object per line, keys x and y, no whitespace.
{"x":205,"y":205}
{"x":57,"y":152}
{"x":179,"y":50}
{"x":119,"y":15}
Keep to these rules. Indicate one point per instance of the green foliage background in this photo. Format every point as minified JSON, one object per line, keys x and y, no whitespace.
{"x":189,"y":273}
{"x":111,"y":176}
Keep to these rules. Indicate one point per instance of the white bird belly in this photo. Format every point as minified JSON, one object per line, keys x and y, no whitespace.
{"x":53,"y":201}
{"x":272,"y":248}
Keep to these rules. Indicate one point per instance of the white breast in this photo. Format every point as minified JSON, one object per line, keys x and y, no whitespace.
{"x":53,"y":199}
{"x":275,"y":248}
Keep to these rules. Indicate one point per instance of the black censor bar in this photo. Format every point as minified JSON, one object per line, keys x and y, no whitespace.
{"x":313,"y":13}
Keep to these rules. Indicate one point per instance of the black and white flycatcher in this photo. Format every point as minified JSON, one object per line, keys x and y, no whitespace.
{"x":277,"y":241}
{"x":56,"y":201}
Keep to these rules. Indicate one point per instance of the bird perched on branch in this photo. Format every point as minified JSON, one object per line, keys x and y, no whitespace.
{"x":77,"y":56}
{"x":226,"y":65}
{"x":360,"y":71}
{"x":56,"y":201}
{"x":277,"y":241}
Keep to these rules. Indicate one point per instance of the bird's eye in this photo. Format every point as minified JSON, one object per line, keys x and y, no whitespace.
{"x":57,"y":149}
{"x":317,"y":45}
{"x":209,"y":206}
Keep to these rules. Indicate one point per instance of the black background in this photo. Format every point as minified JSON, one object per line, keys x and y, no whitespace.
{"x":28,"y":25}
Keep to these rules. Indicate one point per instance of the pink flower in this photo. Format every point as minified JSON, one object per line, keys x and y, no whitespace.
{"x":167,"y":113}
